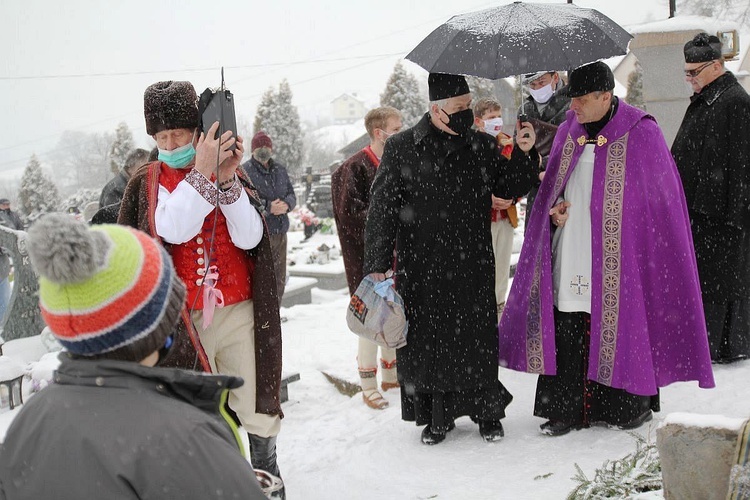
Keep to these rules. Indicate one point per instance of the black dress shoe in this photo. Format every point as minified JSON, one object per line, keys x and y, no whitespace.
{"x":491,"y":430}
{"x":558,"y":427}
{"x":638,"y":421}
{"x":432,"y":436}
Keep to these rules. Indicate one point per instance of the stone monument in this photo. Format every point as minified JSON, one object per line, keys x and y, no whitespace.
{"x":23,"y":317}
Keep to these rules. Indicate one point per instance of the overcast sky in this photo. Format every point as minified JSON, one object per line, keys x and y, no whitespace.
{"x":84,"y":64}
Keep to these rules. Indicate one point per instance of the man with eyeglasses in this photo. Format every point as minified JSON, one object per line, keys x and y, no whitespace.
{"x":712,"y":152}
{"x":544,"y":104}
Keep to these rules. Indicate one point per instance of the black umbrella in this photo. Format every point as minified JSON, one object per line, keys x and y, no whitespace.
{"x":520,"y":38}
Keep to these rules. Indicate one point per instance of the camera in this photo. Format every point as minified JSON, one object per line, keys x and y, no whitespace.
{"x":218,"y":106}
{"x":523,"y":117}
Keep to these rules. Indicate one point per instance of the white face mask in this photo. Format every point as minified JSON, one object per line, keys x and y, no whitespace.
{"x":493,"y":126}
{"x":543,"y":94}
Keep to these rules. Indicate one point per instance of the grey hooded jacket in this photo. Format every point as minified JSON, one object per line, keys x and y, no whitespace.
{"x":118,"y":430}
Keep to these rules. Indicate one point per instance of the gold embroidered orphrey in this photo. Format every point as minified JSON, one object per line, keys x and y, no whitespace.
{"x":614,"y":190}
{"x":534,"y":351}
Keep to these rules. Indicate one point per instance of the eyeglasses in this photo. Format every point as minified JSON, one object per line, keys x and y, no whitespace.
{"x":692,"y":73}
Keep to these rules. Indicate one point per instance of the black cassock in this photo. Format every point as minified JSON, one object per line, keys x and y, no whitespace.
{"x":431,"y":202}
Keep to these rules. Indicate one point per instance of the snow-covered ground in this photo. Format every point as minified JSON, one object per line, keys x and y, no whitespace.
{"x":334,"y":447}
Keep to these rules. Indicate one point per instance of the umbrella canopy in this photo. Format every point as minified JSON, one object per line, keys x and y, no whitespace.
{"x":520,"y":38}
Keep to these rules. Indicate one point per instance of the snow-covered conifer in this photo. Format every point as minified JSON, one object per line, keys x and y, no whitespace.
{"x":279,"y":118}
{"x":402,"y":92}
{"x":38,"y":194}
{"x":121,"y":147}
{"x":634,"y":96}
{"x":481,"y":88}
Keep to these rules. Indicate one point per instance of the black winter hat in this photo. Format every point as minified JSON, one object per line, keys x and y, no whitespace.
{"x":443,"y":86}
{"x":170,"y":105}
{"x":589,"y":78}
{"x":702,"y":48}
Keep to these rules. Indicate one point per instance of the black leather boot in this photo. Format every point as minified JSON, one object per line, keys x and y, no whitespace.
{"x":263,"y":457}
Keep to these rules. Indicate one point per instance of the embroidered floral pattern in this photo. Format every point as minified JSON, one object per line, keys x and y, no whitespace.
{"x":534,"y":353}
{"x":567,"y":157}
{"x":534,"y":350}
{"x":231,"y":195}
{"x":205,"y":188}
{"x":614,"y":188}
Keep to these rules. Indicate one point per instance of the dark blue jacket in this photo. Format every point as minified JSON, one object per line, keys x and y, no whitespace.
{"x":272,"y":184}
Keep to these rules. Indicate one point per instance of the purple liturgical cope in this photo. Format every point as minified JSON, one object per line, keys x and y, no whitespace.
{"x":647,"y":323}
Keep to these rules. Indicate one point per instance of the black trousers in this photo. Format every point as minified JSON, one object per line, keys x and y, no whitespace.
{"x":439,"y":409}
{"x":728,"y":326}
{"x":570,"y":396}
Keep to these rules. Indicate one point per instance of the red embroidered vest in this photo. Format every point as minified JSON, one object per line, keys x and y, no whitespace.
{"x":235,"y":267}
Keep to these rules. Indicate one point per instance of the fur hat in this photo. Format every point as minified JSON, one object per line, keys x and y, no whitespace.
{"x":589,"y":78}
{"x":106,"y":292}
{"x":702,"y":48}
{"x":170,"y":105}
{"x":260,"y":140}
{"x":443,"y":86}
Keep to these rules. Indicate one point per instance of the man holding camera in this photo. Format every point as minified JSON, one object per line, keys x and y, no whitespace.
{"x":204,"y":210}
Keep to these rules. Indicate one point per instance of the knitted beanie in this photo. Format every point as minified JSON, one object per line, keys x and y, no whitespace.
{"x":170,"y":105}
{"x":260,"y":140}
{"x":106,"y":292}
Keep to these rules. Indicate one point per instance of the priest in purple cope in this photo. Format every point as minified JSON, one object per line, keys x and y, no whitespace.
{"x":606,"y":304}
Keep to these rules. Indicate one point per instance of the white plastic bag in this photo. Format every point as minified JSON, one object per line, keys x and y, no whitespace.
{"x":376,"y":313}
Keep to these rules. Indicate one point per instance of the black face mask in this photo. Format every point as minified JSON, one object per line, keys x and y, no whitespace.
{"x":461,"y":121}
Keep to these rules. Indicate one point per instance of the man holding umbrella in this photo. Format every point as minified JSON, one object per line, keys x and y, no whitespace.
{"x":605,"y":304}
{"x":429,"y":200}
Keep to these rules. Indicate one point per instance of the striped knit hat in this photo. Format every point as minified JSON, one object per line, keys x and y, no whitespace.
{"x":106,"y":292}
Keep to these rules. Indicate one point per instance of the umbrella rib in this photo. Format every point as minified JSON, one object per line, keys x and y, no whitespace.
{"x":497,"y":48}
{"x":562,"y":49}
{"x":437,"y":59}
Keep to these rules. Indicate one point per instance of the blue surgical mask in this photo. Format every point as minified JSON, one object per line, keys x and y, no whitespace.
{"x":178,"y":157}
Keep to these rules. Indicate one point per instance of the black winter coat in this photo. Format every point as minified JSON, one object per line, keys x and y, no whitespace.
{"x":553,"y":112}
{"x":712,"y":153}
{"x":116,"y":429}
{"x":430,"y":200}
{"x":113,"y":190}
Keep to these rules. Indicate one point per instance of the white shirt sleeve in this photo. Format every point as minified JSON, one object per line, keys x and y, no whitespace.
{"x":243,"y":221}
{"x":180,"y":214}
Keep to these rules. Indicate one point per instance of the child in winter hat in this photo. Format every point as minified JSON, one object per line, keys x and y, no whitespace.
{"x":106,"y":292}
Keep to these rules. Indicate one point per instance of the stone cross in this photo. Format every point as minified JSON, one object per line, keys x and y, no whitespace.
{"x":22,"y":317}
